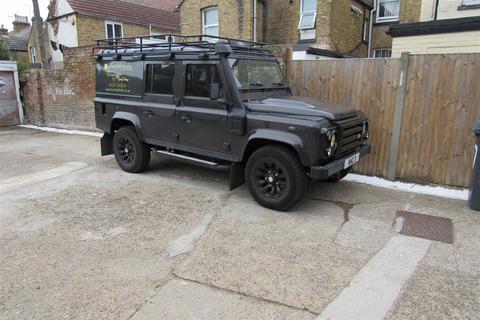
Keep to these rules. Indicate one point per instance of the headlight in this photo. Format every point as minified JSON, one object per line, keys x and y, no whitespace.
{"x":332,"y":139}
{"x":365,"y":133}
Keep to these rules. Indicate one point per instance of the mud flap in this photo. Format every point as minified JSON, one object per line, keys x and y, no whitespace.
{"x":106,"y":144}
{"x":237,"y":175}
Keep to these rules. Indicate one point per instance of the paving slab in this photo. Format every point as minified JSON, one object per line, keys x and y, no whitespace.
{"x":289,"y":258}
{"x":184,"y":300}
{"x":93,"y":252}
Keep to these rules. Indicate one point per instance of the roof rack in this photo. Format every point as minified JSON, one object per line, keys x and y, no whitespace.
{"x":174,"y":43}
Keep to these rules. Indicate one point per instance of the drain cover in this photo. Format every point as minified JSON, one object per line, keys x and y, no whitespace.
{"x":424,"y":226}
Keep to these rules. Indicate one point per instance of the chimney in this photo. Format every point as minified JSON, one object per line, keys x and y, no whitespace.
{"x":3,"y":31}
{"x":20,"y":23}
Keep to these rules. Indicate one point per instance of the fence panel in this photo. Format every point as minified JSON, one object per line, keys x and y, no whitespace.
{"x":441,"y":105}
{"x":369,"y":85}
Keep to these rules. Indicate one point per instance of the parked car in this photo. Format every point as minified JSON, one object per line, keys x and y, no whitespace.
{"x":222,"y":105}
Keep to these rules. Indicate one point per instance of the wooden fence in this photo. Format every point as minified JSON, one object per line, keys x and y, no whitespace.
{"x":422,"y":110}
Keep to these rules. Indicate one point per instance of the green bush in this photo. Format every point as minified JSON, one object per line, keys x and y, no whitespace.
{"x":4,"y":53}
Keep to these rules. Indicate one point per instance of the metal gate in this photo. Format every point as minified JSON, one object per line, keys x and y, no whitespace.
{"x":10,"y":106}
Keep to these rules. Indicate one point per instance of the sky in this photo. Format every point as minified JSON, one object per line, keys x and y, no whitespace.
{"x":8,"y":8}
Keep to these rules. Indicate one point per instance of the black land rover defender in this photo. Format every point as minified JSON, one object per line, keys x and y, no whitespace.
{"x":224,"y":105}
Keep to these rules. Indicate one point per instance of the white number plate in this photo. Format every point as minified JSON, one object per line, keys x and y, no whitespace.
{"x":351,"y":161}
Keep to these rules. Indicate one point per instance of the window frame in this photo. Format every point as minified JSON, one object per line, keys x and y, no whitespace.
{"x":366,"y":26}
{"x":388,"y":18}
{"x":174,"y":83}
{"x":382,"y":50}
{"x":204,"y":102}
{"x":307,"y":13}
{"x":33,"y":54}
{"x":213,"y":25}
{"x":113,"y":23}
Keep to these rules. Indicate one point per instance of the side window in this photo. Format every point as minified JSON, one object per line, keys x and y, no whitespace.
{"x":200,"y":78}
{"x":159,"y":78}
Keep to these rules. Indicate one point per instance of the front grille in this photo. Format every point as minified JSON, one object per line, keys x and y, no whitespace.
{"x":350,"y":133}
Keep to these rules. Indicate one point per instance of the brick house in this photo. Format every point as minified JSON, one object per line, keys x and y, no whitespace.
{"x":426,"y":26}
{"x":340,"y":26}
{"x":17,"y":39}
{"x":73,"y":23}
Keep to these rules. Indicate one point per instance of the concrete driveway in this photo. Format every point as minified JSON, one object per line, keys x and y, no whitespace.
{"x":79,"y":238}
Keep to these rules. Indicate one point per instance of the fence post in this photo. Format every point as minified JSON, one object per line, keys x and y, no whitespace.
{"x":397,"y":119}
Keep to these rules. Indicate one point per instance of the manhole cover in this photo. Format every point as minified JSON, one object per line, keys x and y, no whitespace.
{"x":424,"y":226}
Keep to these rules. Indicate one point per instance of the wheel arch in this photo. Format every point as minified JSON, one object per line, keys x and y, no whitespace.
{"x":266,"y":137}
{"x":122,"y":118}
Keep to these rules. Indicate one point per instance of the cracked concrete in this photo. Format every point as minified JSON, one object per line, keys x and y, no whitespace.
{"x":174,"y":243}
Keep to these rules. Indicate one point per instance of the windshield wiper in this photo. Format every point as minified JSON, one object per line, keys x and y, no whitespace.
{"x":256,"y":84}
{"x":279,"y":84}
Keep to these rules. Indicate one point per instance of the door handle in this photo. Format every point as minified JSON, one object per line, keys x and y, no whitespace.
{"x":187,"y":119}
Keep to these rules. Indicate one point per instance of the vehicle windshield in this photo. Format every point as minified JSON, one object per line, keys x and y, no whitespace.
{"x":257,"y":74}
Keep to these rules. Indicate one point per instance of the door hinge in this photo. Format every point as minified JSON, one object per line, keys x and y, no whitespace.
{"x":176,"y":136}
{"x":226,"y":146}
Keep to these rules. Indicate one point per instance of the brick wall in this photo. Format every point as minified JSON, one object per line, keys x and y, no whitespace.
{"x":90,"y":29}
{"x":277,"y":22}
{"x":63,"y":98}
{"x":235,"y":17}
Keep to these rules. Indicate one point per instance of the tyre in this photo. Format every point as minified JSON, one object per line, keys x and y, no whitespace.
{"x":132,"y":155}
{"x":339,"y":175}
{"x":275,"y":177}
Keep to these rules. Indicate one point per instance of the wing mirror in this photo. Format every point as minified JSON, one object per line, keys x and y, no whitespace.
{"x":215,"y":91}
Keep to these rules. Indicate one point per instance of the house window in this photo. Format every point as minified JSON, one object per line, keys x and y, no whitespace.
{"x":308,"y":14}
{"x":471,"y":2}
{"x":382,"y":53}
{"x":388,"y":10}
{"x":33,"y":55}
{"x":210,"y":25}
{"x":113,"y":30}
{"x":159,"y":78}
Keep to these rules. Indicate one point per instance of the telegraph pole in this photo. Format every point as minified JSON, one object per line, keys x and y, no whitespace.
{"x":39,"y":27}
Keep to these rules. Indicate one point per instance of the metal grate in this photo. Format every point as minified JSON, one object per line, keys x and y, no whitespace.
{"x":424,"y":226}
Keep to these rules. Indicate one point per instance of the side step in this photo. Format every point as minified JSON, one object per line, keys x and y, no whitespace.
{"x":193,"y":160}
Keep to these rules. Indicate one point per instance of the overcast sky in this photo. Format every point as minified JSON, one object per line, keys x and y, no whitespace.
{"x":9,"y":8}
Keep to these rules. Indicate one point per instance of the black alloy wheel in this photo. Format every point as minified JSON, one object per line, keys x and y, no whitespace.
{"x":276,"y":177}
{"x":132,"y":154}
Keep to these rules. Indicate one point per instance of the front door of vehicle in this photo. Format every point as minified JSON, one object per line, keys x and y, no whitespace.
{"x":159,"y":103}
{"x":202,"y":116}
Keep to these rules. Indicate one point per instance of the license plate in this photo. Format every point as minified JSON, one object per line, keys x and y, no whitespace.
{"x":351,"y":161}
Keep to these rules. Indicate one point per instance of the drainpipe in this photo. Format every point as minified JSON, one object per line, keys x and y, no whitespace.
{"x":435,"y":14}
{"x":254,"y":20}
{"x":370,"y":27}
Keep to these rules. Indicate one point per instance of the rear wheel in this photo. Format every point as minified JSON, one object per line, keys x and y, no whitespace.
{"x":339,"y":175}
{"x":275,"y":177}
{"x":132,"y":155}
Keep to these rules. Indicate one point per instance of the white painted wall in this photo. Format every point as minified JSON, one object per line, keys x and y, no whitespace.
{"x":303,"y":55}
{"x":455,"y":42}
{"x":447,"y":9}
{"x":66,"y":30}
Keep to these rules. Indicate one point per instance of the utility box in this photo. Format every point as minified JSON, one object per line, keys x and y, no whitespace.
{"x":475,"y":184}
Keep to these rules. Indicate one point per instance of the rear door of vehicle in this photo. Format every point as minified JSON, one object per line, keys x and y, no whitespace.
{"x":202,"y":122}
{"x":159,"y":102}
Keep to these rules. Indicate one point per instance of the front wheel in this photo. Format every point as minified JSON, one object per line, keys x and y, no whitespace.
{"x":275,"y":177}
{"x":132,"y":155}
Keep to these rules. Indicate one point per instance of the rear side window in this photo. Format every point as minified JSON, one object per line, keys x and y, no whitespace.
{"x":200,"y":78}
{"x":159,"y":78}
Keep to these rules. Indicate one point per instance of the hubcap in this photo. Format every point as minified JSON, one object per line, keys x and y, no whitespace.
{"x":271,"y":179}
{"x":126,"y":150}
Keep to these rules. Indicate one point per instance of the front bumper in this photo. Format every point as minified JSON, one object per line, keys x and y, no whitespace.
{"x":323,"y":172}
